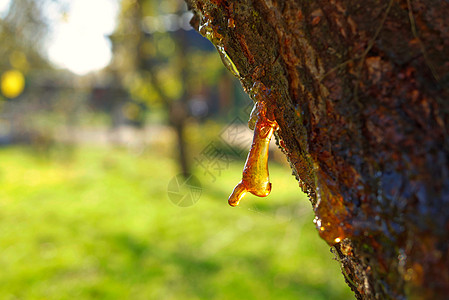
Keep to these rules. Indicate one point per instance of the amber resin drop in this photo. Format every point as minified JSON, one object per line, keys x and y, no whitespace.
{"x":255,"y":177}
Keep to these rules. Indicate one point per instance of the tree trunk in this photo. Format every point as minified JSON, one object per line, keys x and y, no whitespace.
{"x":360,"y":92}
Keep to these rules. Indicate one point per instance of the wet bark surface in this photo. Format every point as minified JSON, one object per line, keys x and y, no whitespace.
{"x":360,"y":91}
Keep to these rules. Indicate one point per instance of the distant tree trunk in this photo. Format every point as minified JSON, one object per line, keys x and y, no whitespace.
{"x":361,"y":95}
{"x":180,"y":121}
{"x":178,"y":118}
{"x":177,"y":108}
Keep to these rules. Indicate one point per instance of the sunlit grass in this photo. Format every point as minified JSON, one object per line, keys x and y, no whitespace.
{"x":98,"y":224}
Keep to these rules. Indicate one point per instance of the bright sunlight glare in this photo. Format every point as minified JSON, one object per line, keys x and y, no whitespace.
{"x":79,"y":41}
{"x":4,"y":5}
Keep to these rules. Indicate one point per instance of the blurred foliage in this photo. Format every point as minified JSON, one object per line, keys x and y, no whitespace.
{"x":19,"y":40}
{"x":95,"y":225}
{"x":22,"y":33}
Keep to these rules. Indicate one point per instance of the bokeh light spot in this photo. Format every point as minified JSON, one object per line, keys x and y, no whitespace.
{"x":12,"y":83}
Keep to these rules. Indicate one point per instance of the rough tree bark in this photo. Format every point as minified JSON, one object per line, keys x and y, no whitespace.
{"x":360,"y":92}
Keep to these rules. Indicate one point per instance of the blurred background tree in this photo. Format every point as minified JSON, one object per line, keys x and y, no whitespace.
{"x":166,"y":65}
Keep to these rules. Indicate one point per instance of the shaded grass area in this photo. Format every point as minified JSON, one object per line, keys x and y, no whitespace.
{"x":97,"y":224}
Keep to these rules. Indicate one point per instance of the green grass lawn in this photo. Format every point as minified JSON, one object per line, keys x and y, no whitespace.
{"x":97,"y":223}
